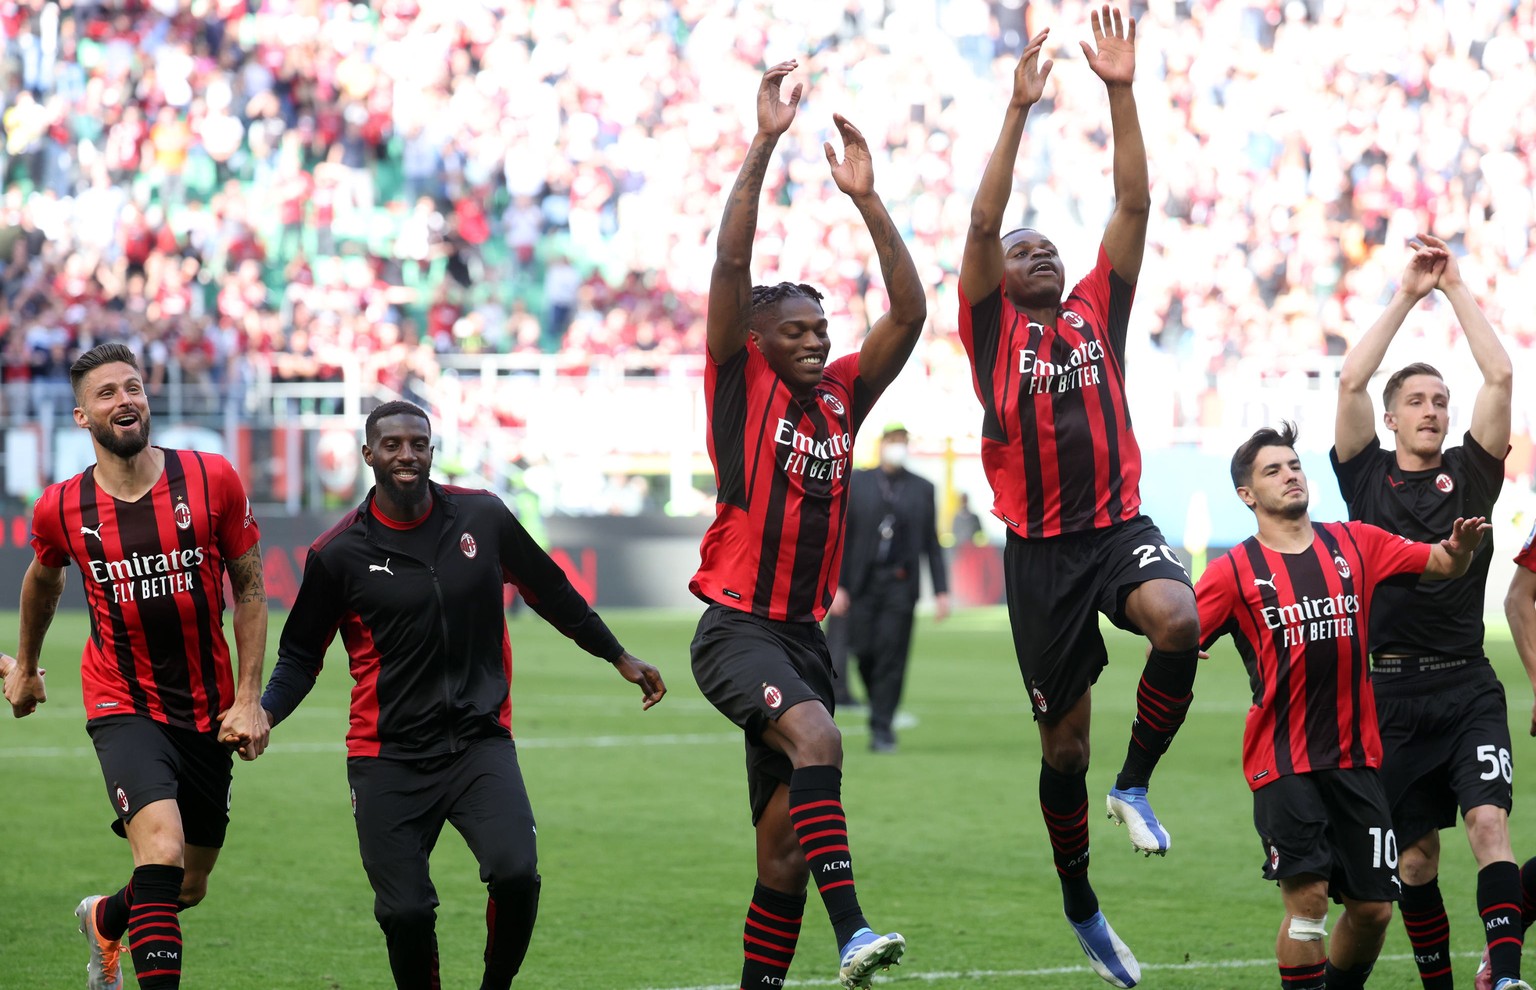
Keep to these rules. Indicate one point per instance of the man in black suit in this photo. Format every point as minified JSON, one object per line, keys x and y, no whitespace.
{"x":890,"y":529}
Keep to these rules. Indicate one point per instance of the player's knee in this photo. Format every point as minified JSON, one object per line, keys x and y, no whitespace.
{"x":194,"y":887}
{"x":1370,"y":918}
{"x":1488,"y":832}
{"x":1418,"y":864}
{"x":520,"y":888}
{"x":1177,"y":629}
{"x":513,"y":870}
{"x":404,"y":919}
{"x":1068,"y":755}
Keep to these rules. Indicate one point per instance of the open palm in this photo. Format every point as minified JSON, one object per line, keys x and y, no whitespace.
{"x":1113,"y":57}
{"x":855,"y":174}
{"x":774,"y":115}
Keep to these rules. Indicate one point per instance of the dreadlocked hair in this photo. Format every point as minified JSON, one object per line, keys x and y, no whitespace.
{"x":764,"y":296}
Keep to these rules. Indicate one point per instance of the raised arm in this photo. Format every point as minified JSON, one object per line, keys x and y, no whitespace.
{"x":245,"y":724}
{"x":1354,"y":422}
{"x":1520,"y":610}
{"x":1491,"y":409}
{"x":981,"y":265}
{"x":1113,"y":59}
{"x":1451,"y":557}
{"x":894,"y":334}
{"x":41,"y":588}
{"x":730,"y":285}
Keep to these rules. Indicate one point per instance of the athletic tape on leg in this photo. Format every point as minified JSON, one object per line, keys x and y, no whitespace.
{"x":1307,"y":929}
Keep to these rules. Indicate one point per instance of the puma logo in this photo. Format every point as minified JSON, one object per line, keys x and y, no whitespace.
{"x":1268,"y":582}
{"x":87,"y":531}
{"x":382,"y":567}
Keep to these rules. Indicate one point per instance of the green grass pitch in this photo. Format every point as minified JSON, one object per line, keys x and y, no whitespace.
{"x":645,"y":845}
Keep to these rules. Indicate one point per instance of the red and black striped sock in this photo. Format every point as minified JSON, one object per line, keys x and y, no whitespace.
{"x":1306,"y":977}
{"x":112,"y":912}
{"x":1429,"y":931}
{"x":1528,"y":893}
{"x":1064,"y":803}
{"x":1162,"y":701}
{"x":1498,"y":901}
{"x":768,"y":940}
{"x":816,"y":810}
{"x":154,"y":927}
{"x":1346,"y":979}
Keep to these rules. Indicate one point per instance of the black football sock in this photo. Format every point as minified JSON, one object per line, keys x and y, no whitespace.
{"x":1528,"y":893}
{"x":1346,"y":979}
{"x":1162,"y":701}
{"x":510,"y":911}
{"x":154,"y":929}
{"x":112,"y":912}
{"x":1307,"y":977}
{"x":1498,"y":901}
{"x":816,"y":809}
{"x":1429,"y":931}
{"x":1064,"y":803}
{"x":768,"y":940}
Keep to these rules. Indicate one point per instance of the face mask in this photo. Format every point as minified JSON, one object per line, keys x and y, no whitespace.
{"x":893,"y":455}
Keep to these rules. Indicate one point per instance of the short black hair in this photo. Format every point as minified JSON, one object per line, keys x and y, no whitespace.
{"x":1242,"y":460}
{"x":764,"y":296}
{"x":96,"y":357}
{"x":399,"y":407}
{"x":1402,"y":375}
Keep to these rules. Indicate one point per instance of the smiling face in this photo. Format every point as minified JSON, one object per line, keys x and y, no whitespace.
{"x":401,"y":458}
{"x":1033,"y":274}
{"x":113,"y":406}
{"x":1420,"y":415}
{"x":792,"y":337}
{"x":1278,"y":486}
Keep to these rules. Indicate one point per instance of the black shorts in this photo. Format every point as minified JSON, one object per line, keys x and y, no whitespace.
{"x":1056,"y":589}
{"x":400,"y":807}
{"x":754,"y":670}
{"x":1333,"y":824}
{"x":1445,"y":743}
{"x":143,"y":761}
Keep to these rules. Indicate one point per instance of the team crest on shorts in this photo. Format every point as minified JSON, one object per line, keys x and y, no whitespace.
{"x":1073,"y":318}
{"x":1274,"y":859}
{"x":353,"y":792}
{"x":1342,"y":565}
{"x":183,"y":513}
{"x":1039,"y":697}
{"x":1444,"y":482}
{"x":467,"y":544}
{"x":122,"y":800}
{"x":833,"y":402}
{"x":772,"y":696}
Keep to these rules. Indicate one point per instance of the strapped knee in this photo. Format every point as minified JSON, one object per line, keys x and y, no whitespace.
{"x":1307,"y":929}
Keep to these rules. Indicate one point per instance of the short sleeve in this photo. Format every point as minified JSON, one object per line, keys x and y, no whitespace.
{"x":235,"y":525}
{"x":1526,"y":558}
{"x":1214,"y":598}
{"x":1483,"y":470}
{"x":1353,"y":474}
{"x":1387,"y":554}
{"x":48,"y":540}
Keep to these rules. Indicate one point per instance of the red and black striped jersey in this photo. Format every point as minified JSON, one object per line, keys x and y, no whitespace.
{"x":782,"y":468}
{"x":1056,"y":440}
{"x":1300,"y":621}
{"x":1526,"y":558}
{"x":153,"y":571}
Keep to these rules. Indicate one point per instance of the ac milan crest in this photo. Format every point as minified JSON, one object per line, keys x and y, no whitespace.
{"x":467,"y":544}
{"x":1444,"y":483}
{"x":833,"y":402}
{"x":183,"y":513}
{"x":772,"y":696}
{"x":122,"y":800}
{"x":1343,"y":566}
{"x":1039,"y":697}
{"x":1274,"y":859}
{"x":1072,"y":318}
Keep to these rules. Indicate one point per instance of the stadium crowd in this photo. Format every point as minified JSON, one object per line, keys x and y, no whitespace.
{"x":297,"y":188}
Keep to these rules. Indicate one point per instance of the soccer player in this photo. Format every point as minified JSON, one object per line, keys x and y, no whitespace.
{"x":154,"y":532}
{"x":1297,"y":600}
{"x":413,"y":579}
{"x":781,"y":425}
{"x":1444,"y":725}
{"x":1065,"y":469}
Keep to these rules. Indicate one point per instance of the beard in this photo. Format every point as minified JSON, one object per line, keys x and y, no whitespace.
{"x":410,"y":495}
{"x":1295,"y":510}
{"x":124,"y":446}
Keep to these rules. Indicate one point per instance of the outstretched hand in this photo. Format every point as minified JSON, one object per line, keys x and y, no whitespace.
{"x":637,"y":671}
{"x":1466,"y":534}
{"x":855,"y":174}
{"x":1114,"y":38}
{"x":1450,"y":272}
{"x":1425,"y":267}
{"x":1030,"y":74}
{"x":774,"y":115}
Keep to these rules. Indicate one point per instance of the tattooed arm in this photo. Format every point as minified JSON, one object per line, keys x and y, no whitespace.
{"x":41,"y":589}
{"x":244,"y":723}
{"x":730,"y":284}
{"x":893,"y":336}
